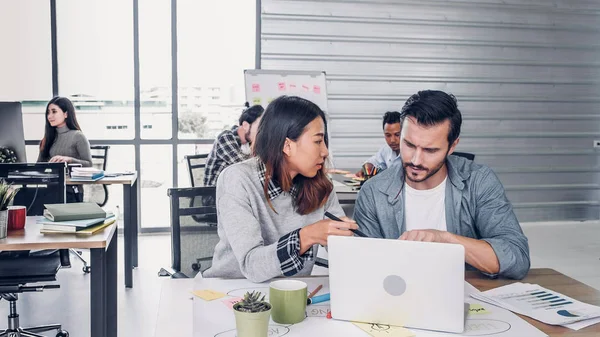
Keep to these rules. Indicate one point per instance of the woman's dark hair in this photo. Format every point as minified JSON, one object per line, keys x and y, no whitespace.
{"x":432,"y":107}
{"x":391,"y":117}
{"x":251,"y":114}
{"x":287,"y":117}
{"x":50,"y":132}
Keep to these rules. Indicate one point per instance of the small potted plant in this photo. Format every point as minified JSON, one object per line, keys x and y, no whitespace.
{"x":252,"y":315}
{"x":7,"y":194}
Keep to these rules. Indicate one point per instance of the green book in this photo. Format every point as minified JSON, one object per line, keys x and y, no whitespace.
{"x":73,"y":211}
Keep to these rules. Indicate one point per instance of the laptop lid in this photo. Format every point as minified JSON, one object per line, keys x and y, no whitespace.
{"x":396,"y":282}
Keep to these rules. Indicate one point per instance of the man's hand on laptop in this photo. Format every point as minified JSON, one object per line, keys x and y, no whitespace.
{"x":320,"y":230}
{"x":425,"y":235}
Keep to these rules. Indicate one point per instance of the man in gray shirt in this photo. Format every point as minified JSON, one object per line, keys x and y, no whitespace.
{"x":436,"y":197}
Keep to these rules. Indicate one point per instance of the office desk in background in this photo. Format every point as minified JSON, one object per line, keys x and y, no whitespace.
{"x":176,"y":304}
{"x":346,"y":194}
{"x":103,"y":283}
{"x":130,"y":217}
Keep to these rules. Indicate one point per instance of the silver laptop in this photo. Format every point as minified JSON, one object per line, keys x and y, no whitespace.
{"x":403,"y":283}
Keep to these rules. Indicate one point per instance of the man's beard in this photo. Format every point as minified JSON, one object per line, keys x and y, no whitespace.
{"x":430,"y":172}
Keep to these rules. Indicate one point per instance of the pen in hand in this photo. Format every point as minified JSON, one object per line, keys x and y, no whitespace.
{"x":356,"y":231}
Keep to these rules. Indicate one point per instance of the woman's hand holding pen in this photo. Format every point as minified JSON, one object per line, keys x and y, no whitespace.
{"x":319,"y":231}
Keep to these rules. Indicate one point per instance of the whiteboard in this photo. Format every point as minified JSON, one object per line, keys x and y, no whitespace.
{"x":263,"y":86}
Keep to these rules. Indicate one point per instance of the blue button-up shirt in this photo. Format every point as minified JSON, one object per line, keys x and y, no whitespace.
{"x":385,"y":158}
{"x":476,"y":207}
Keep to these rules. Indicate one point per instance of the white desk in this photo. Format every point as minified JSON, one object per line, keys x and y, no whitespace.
{"x":177,"y":297}
{"x":175,"y":308}
{"x":130,"y":218}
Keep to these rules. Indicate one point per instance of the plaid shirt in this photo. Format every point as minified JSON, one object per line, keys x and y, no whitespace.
{"x":227,"y":150}
{"x":288,"y":246}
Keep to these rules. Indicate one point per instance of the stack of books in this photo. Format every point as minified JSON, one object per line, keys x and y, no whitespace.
{"x":76,"y":218}
{"x":86,"y":174}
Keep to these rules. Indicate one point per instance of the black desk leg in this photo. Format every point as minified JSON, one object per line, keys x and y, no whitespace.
{"x":135,"y":218}
{"x":129,"y":233}
{"x":111,"y":286}
{"x":103,"y":284}
{"x":98,"y":293}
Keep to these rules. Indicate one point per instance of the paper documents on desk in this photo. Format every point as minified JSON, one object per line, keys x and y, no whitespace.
{"x":542,"y":304}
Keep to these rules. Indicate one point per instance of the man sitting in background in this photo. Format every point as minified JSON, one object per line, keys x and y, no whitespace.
{"x":436,"y":197}
{"x":227,"y":148}
{"x":388,"y":155}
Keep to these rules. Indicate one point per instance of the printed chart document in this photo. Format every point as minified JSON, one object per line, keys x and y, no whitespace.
{"x":542,"y":304}
{"x":215,"y":317}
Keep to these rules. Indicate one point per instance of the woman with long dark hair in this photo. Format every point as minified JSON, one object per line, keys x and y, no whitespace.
{"x":63,"y":141}
{"x":271,"y":207}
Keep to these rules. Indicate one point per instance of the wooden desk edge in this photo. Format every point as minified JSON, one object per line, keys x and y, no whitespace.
{"x":63,"y":245}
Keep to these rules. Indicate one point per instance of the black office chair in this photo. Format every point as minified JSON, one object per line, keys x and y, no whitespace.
{"x":18,"y":269}
{"x":467,"y":155}
{"x":193,"y":231}
{"x":196,"y":164}
{"x":98,"y":193}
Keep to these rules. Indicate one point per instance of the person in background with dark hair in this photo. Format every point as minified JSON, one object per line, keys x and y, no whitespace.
{"x":227,"y":148}
{"x":64,"y":142}
{"x":436,"y":197}
{"x":271,"y":208}
{"x":389,"y":154}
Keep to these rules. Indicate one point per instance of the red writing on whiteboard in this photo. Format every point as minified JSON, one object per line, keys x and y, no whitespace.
{"x":292,"y":86}
{"x":305,"y":87}
{"x":317,"y":89}
{"x":281,"y":86}
{"x":255,"y":87}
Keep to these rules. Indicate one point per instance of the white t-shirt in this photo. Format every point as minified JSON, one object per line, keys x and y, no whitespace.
{"x":425,"y":209}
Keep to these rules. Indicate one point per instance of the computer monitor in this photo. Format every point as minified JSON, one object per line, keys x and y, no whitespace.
{"x":11,"y":129}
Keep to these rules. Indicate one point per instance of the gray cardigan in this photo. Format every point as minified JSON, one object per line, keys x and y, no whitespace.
{"x":476,"y":207}
{"x":249,"y":230}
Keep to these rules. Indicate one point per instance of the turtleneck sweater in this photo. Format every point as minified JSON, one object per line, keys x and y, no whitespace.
{"x":70,"y":143}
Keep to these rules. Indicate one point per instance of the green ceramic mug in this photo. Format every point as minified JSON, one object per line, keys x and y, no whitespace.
{"x":288,"y":301}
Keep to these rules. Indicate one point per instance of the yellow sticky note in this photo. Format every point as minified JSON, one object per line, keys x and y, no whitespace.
{"x":256,"y":100}
{"x":477,"y":309}
{"x":377,"y":330}
{"x":208,"y":295}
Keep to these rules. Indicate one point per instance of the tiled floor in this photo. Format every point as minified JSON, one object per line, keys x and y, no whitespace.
{"x":570,"y":248}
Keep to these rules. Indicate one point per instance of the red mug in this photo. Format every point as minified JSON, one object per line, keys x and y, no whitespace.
{"x":16,"y":217}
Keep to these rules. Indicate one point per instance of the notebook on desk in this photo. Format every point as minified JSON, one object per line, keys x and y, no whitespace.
{"x":73,"y":211}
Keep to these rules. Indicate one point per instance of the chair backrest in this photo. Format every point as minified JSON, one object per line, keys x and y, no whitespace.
{"x":98,"y":193}
{"x":99,"y":156}
{"x":467,"y":155}
{"x":196,"y":164}
{"x":193,"y":228}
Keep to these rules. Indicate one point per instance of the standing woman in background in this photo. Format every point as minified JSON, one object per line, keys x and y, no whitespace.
{"x":64,"y":142}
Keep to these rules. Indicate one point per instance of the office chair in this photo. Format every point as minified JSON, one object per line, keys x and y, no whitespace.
{"x":196,"y":165}
{"x":18,"y":269}
{"x":98,"y":193}
{"x":467,"y":155}
{"x":193,"y":231}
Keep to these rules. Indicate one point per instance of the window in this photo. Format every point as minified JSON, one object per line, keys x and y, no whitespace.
{"x":155,"y":68}
{"x":226,"y":30}
{"x":95,"y":63}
